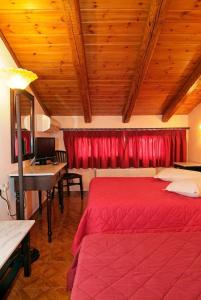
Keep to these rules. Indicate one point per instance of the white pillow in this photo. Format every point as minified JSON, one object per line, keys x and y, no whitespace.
{"x":172,"y":174}
{"x":186,"y":187}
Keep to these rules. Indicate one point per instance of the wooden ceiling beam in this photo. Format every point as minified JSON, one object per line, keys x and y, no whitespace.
{"x":73,"y":19}
{"x":177,"y":100}
{"x":150,"y":38}
{"x":20,"y":66}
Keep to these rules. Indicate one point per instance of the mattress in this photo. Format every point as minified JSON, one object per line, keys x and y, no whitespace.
{"x":129,"y":205}
{"x":145,"y":266}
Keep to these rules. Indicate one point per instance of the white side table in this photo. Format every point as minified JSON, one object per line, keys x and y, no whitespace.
{"x":12,"y":234}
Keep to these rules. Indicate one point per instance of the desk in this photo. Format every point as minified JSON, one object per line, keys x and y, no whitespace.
{"x":193,"y":166}
{"x":41,"y":178}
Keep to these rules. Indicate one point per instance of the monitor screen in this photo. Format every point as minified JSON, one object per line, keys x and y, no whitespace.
{"x":44,"y":148}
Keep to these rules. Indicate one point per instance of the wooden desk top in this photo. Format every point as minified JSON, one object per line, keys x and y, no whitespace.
{"x":11,"y":235}
{"x":40,"y":170}
{"x":188,"y":164}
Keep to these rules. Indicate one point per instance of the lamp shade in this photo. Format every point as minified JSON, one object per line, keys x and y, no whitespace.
{"x":42,"y":122}
{"x":17,"y":78}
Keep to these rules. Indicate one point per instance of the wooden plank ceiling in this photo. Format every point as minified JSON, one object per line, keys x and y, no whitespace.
{"x":108,"y":57}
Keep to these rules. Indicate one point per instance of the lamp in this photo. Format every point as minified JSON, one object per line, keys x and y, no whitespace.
{"x":18,"y":79}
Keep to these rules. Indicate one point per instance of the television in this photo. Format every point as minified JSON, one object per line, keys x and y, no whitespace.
{"x":44,"y":149}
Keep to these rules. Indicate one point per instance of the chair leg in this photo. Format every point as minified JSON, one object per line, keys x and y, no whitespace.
{"x":40,"y":201}
{"x":81,"y":189}
{"x":60,"y":190}
{"x":53,"y":191}
{"x":68,"y":187}
{"x":81,"y":194}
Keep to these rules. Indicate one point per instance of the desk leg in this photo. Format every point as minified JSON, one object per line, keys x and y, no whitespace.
{"x":40,"y":201}
{"x":61,"y":200}
{"x":49,"y":215}
{"x":26,"y":255}
{"x":18,"y":205}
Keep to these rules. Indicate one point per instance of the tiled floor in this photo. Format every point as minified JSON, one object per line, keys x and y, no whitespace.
{"x":48,"y":279}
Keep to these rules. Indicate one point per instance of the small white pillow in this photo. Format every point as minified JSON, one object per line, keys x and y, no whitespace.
{"x":173,"y":174}
{"x":186,"y":187}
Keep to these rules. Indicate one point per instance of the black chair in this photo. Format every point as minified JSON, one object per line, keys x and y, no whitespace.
{"x":70,"y":178}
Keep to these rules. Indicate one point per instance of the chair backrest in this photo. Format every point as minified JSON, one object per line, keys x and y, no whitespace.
{"x":62,"y":157}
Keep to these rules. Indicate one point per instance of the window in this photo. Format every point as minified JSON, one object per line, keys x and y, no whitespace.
{"x":124,"y":148}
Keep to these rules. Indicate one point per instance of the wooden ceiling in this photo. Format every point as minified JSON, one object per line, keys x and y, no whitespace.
{"x":108,"y":57}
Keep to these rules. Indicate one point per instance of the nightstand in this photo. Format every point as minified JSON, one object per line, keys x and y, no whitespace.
{"x":193,"y":166}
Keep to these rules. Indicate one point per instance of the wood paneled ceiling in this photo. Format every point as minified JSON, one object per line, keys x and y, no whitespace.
{"x":108,"y":57}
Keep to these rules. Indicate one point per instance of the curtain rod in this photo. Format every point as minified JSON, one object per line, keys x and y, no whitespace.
{"x":119,"y":129}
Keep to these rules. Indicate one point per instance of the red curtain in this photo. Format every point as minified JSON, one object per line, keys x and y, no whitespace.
{"x":26,"y":142}
{"x":124,"y":148}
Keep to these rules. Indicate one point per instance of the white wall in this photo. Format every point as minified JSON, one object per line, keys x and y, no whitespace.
{"x":5,"y":140}
{"x":145,"y":121}
{"x":116,"y":122}
{"x":194,"y":145}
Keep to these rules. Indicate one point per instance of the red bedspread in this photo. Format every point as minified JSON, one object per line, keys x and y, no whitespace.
{"x":127,"y":205}
{"x":146,"y":266}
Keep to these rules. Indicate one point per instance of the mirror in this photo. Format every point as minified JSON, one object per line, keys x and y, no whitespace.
{"x":27,"y":125}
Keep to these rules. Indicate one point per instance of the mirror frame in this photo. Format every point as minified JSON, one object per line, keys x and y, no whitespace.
{"x":30,"y":97}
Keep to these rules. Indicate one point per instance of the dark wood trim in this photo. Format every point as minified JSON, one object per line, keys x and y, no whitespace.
{"x":177,"y":100}
{"x":46,"y":111}
{"x":12,"y":126}
{"x":73,"y":21}
{"x":122,"y":129}
{"x":14,"y":158}
{"x":150,"y":38}
{"x":10,"y":50}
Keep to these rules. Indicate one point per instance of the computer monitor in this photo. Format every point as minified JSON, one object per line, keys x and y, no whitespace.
{"x":44,"y":149}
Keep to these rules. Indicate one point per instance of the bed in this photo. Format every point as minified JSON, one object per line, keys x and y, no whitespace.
{"x":129,"y":205}
{"x":152,"y":266}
